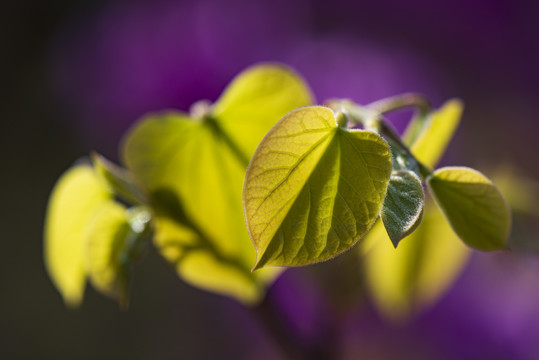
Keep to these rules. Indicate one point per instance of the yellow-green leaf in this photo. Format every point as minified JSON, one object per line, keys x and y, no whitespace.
{"x":73,"y":202}
{"x":403,"y":205}
{"x":313,"y":189}
{"x":193,"y":171}
{"x":404,"y":281}
{"x":118,"y":179}
{"x":194,"y":180}
{"x":473,"y":205}
{"x":106,"y":238}
{"x":114,"y":239}
{"x":433,"y":137}
{"x":256,"y":99}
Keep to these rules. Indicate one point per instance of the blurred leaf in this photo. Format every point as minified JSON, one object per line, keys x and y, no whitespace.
{"x":106,"y":238}
{"x":313,"y":189}
{"x":520,"y":191}
{"x":193,"y":171}
{"x":403,"y":205}
{"x":408,"y":279}
{"x":522,"y":195}
{"x":113,"y":239}
{"x":194,"y":181}
{"x":119,"y":179}
{"x":473,"y":205}
{"x":256,"y":99}
{"x":200,"y":263}
{"x":434,"y":136}
{"x":73,"y":202}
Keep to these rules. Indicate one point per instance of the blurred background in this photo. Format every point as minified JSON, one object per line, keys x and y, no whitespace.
{"x":76,"y":74}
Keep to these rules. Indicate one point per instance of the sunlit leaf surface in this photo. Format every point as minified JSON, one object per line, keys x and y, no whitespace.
{"x":256,"y":99}
{"x":193,"y":171}
{"x":473,"y":205}
{"x":433,"y":138}
{"x":403,"y":205}
{"x":313,"y":189}
{"x":73,"y":202}
{"x":405,"y":280}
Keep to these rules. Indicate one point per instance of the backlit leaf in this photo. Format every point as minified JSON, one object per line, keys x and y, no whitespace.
{"x":119,"y":180}
{"x":73,"y":202}
{"x":193,"y":171}
{"x":434,"y":136}
{"x":256,"y":99}
{"x":106,"y":239}
{"x":473,"y":205}
{"x":406,"y":280}
{"x":194,"y":182}
{"x":313,"y":189}
{"x":114,"y":238}
{"x":403,"y":206}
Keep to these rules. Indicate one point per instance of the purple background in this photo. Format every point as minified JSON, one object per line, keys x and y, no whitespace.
{"x":75,"y":75}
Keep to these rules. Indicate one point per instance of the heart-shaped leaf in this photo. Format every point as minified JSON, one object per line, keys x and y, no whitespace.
{"x":403,"y":205}
{"x":193,"y":171}
{"x":313,"y":189}
{"x":73,"y":202}
{"x":404,"y":281}
{"x":473,"y":205}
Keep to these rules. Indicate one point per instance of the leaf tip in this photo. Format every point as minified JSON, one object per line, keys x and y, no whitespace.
{"x":258,"y":265}
{"x":395,"y":241}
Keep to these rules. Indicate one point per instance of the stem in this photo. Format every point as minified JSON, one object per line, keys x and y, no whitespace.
{"x":354,"y":114}
{"x":292,"y":344}
{"x":402,"y":101}
{"x":276,"y":327}
{"x":370,"y":117}
{"x":391,"y":134}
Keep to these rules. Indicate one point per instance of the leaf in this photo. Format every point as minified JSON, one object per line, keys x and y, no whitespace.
{"x":73,"y":202}
{"x":119,"y":179}
{"x":313,"y":189}
{"x":106,"y":238}
{"x":404,"y":281}
{"x":473,"y":205}
{"x":433,"y":138}
{"x":256,"y":99}
{"x":194,"y":182}
{"x":114,"y":237}
{"x":193,"y":171}
{"x":403,"y":205}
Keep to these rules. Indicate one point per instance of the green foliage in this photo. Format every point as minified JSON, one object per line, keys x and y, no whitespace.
{"x":430,"y":138}
{"x":119,"y":180}
{"x":403,"y":205}
{"x":404,"y":281}
{"x":474,"y":207}
{"x":75,"y":199}
{"x":187,"y":170}
{"x":313,"y":189}
{"x":313,"y":186}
